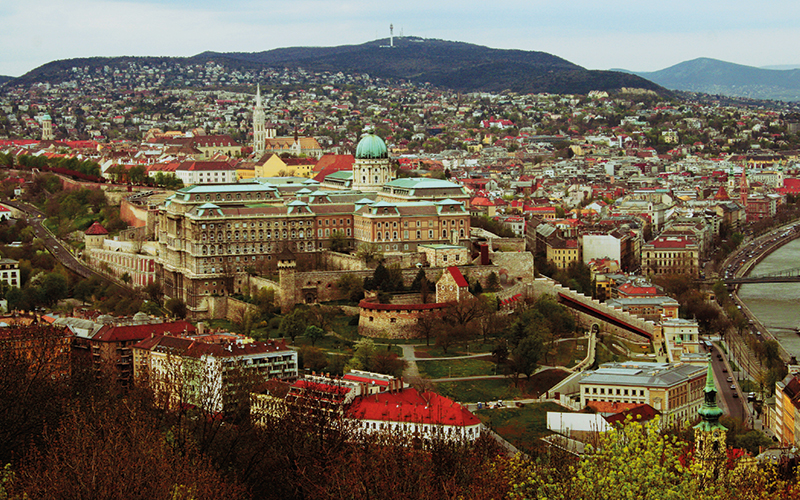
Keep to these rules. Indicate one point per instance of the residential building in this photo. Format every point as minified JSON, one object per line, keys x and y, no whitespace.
{"x":111,"y":345}
{"x":9,"y":272}
{"x":671,"y":255}
{"x":563,"y":252}
{"x":215,"y":377}
{"x":786,"y":424}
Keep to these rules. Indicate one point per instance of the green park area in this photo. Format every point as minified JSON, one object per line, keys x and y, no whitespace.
{"x":521,"y":426}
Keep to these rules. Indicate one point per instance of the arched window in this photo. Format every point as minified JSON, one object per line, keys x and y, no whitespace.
{"x":444,"y":233}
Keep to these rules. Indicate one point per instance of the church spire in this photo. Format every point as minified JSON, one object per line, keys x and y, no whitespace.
{"x":709,"y":410}
{"x":709,"y":435}
{"x":259,"y":125}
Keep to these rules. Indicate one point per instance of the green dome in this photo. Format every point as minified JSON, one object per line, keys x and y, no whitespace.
{"x":371,"y":146}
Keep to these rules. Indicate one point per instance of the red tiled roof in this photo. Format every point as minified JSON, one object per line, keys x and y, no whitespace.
{"x":329,"y":164}
{"x":96,"y":229}
{"x":639,"y":413}
{"x":409,"y":405}
{"x":672,"y":243}
{"x":205,"y":165}
{"x":113,"y":333}
{"x":456,"y":274}
{"x":320,"y":387}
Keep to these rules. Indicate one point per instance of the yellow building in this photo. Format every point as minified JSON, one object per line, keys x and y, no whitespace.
{"x":563,"y":252}
{"x":786,"y":412}
{"x":274,"y":166}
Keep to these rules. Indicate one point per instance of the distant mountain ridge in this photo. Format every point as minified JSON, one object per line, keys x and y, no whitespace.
{"x":713,"y":76}
{"x":455,"y":65}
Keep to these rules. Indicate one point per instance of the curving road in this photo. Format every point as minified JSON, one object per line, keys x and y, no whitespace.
{"x":35,"y":219}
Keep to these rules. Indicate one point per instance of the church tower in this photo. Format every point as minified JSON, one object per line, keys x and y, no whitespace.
{"x":47,"y":128}
{"x":372,"y":168}
{"x":259,"y":126}
{"x":709,"y":435}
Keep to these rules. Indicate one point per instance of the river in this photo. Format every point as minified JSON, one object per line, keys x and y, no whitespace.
{"x":777,"y":305}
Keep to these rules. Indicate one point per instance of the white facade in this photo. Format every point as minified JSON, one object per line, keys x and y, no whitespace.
{"x":601,"y":246}
{"x":9,"y":272}
{"x":210,"y":176}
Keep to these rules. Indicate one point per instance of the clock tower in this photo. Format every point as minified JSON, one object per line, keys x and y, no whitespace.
{"x":709,"y":435}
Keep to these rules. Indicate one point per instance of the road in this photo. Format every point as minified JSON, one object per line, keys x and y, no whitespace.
{"x":727,"y":386}
{"x":35,"y":218}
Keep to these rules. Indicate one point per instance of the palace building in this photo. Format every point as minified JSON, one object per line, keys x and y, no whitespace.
{"x":211,"y":236}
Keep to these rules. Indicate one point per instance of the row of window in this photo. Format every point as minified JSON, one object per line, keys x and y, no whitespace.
{"x":236,"y":225}
{"x":379,"y":236}
{"x":230,"y":197}
{"x":242,"y":249}
{"x":620,"y":392}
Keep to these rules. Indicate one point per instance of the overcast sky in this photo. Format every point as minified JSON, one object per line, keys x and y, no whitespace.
{"x":597,"y":35}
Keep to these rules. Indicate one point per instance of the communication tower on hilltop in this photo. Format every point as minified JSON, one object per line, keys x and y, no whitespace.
{"x":391,"y":35}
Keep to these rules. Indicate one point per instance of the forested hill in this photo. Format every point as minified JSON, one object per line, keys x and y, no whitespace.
{"x":712,"y":76}
{"x":454,"y":65}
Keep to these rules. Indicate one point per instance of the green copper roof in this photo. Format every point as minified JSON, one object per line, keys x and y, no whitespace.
{"x":371,"y":146}
{"x":422,"y":183}
{"x":709,"y":411}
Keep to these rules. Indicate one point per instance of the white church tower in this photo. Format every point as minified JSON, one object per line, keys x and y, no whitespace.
{"x":259,"y":126}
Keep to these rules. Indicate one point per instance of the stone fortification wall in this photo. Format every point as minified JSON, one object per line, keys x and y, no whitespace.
{"x":320,"y":286}
{"x":395,"y":321}
{"x":256,"y":283}
{"x":342,"y":261}
{"x":508,"y":244}
{"x":136,"y":216}
{"x":236,"y":309}
{"x":549,"y":287}
{"x":513,"y":266}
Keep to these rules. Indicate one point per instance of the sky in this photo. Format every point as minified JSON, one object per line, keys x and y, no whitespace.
{"x":634,"y":35}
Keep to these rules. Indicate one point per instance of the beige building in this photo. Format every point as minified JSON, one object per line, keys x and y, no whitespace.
{"x":404,"y":226}
{"x":674,"y":389}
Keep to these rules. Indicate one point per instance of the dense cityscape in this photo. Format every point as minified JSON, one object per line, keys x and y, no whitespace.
{"x":283,"y":283}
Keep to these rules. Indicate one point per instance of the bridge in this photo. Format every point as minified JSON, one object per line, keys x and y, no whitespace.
{"x":786,"y":276}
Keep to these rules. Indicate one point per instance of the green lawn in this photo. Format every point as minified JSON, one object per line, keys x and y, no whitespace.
{"x":522,"y":427}
{"x":434,"y":351}
{"x":456,"y":368}
{"x":473,"y":391}
{"x":566,"y":353}
{"x":342,"y":326}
